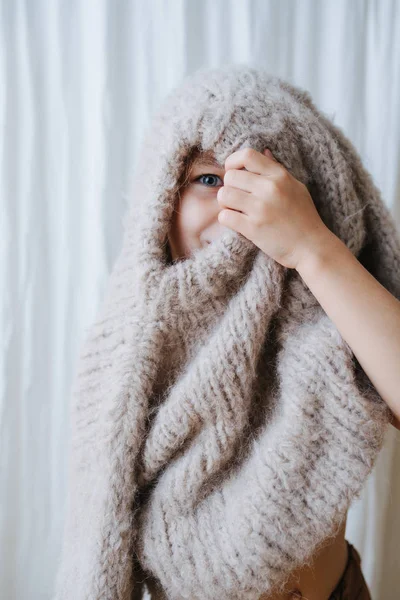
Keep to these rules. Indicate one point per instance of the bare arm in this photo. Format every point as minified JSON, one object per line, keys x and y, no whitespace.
{"x":365,"y":313}
{"x":268,"y":205}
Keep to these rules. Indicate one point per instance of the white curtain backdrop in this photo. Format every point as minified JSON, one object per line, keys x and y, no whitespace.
{"x":79,"y":80}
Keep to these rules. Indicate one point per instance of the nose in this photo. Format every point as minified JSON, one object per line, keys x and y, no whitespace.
{"x":212,"y":228}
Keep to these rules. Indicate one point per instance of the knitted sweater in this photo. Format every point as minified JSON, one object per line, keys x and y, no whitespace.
{"x":220,"y":424}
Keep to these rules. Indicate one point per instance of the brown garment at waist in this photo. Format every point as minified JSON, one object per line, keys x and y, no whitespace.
{"x":352,"y":585}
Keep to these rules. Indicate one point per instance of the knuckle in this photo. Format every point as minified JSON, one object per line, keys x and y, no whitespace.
{"x":266,"y":212}
{"x":224,"y":193}
{"x":282,"y":175}
{"x":275,"y":185}
{"x":259,"y":206}
{"x":260,"y":213}
{"x":248,"y":153}
{"x":257,"y":220}
{"x":230,"y":176}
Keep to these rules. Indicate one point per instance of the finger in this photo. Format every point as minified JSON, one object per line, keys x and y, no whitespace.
{"x":242,"y":179}
{"x":233,"y":198}
{"x":252,"y":160}
{"x":235,"y":220}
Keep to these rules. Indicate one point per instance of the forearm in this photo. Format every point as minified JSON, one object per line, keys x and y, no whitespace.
{"x":365,"y":313}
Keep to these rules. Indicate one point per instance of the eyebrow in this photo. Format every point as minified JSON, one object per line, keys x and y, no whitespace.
{"x":208,"y":161}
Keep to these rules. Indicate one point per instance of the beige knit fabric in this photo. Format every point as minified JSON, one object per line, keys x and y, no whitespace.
{"x":221,"y":426}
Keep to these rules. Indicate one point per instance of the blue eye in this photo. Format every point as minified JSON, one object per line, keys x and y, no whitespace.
{"x":208,"y":176}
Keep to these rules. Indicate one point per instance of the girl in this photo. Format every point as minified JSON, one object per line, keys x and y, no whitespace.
{"x":229,"y":405}
{"x":255,"y":195}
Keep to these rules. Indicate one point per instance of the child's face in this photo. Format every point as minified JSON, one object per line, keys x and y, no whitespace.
{"x":194,"y":222}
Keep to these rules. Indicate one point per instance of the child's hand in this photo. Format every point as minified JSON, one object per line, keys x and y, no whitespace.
{"x":270,"y":207}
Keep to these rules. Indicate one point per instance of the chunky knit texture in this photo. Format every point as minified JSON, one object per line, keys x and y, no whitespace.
{"x":220,"y":425}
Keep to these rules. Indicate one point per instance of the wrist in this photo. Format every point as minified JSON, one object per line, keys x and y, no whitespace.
{"x":319,"y":252}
